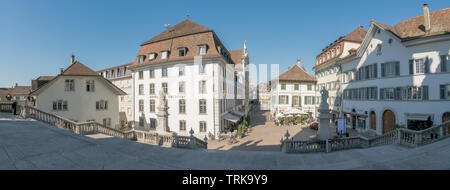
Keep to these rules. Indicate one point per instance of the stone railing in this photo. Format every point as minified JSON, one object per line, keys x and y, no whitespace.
{"x":86,"y":128}
{"x":401,"y":136}
{"x":5,"y":107}
{"x":293,"y":146}
{"x":343,"y":143}
{"x":413,"y":138}
{"x":151,"y":137}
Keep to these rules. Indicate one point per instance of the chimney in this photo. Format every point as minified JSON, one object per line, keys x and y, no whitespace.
{"x":426,"y":16}
{"x":62,"y":70}
{"x":298,"y":62}
{"x":72,"y":59}
{"x":17,"y":85}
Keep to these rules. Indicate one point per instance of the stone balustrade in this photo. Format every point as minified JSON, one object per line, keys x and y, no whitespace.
{"x":401,"y":136}
{"x":5,"y":107}
{"x":151,"y":137}
{"x":86,"y":128}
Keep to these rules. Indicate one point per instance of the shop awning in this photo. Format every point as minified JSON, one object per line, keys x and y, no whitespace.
{"x":231,"y":117}
{"x":355,"y":114}
{"x":418,"y":117}
{"x":239,"y":113}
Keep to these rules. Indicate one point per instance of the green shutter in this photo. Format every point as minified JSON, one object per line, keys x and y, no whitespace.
{"x":279,"y":99}
{"x":411,"y":68}
{"x":425,"y":92}
{"x":287,"y":99}
{"x":305,"y":100}
{"x":313,"y":100}
{"x":442,"y":89}
{"x":299,"y":101}
{"x":427,"y":67}
{"x":443,"y":63}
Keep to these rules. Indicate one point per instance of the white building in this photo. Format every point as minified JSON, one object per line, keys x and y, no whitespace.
{"x":241,"y":61}
{"x":189,"y":63}
{"x":328,"y":71}
{"x":264,"y":96}
{"x":400,"y":75}
{"x":294,"y":88}
{"x":80,"y":94}
{"x":121,"y":77}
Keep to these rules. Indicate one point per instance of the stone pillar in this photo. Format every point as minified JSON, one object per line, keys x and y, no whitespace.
{"x":324,"y":117}
{"x":162,"y":125}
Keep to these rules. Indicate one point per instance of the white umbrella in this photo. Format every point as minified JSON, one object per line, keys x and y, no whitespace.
{"x":279,"y":115}
{"x":294,"y":111}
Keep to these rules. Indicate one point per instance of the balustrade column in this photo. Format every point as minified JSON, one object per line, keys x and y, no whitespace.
{"x":418,"y":139}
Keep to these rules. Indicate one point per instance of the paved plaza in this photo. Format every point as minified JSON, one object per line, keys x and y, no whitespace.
{"x":28,"y":144}
{"x":266,"y":136}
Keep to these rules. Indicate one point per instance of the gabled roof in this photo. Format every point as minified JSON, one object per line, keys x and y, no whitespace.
{"x":45,"y":78}
{"x":78,"y":69}
{"x":184,"y":28}
{"x":296,"y":73}
{"x":414,"y":27}
{"x":20,"y":90}
{"x":356,"y":35}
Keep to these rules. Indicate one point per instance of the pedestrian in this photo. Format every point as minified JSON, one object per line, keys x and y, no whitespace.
{"x":14,"y":107}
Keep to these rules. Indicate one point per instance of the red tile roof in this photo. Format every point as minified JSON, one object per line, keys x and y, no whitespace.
{"x":184,"y":28}
{"x":295,"y":73}
{"x":236,"y":55}
{"x":78,"y":69}
{"x":414,"y":27}
{"x":45,"y":77}
{"x":187,"y":34}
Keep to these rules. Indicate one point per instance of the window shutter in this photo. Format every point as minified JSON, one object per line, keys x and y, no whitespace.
{"x":305,"y":100}
{"x":299,"y":100}
{"x":376,"y":93}
{"x":381,"y":93}
{"x":397,"y":93}
{"x":397,"y":68}
{"x":411,"y":68}
{"x":279,"y":99}
{"x":427,"y":67}
{"x":287,"y":99}
{"x":313,"y":100}
{"x":383,"y":69}
{"x":425,"y":92}
{"x":375,"y":70}
{"x":443,"y":63}
{"x":442,"y":87}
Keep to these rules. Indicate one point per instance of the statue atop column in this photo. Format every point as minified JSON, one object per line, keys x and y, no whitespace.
{"x":324,"y":99}
{"x":162,"y":125}
{"x":324,"y":116}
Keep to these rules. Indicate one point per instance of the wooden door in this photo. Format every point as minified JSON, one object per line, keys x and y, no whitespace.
{"x":388,"y":121}
{"x":373,"y":121}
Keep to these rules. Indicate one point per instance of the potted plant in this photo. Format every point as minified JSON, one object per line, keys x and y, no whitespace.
{"x":239,"y":132}
{"x":299,"y":120}
{"x":286,"y":120}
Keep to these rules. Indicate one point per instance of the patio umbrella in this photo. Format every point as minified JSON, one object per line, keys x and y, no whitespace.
{"x":279,"y":115}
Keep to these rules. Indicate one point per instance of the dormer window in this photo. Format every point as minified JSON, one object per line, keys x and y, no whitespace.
{"x":182,"y":52}
{"x":202,"y":49}
{"x":164,"y":54}
{"x":151,"y":56}
{"x":141,"y":59}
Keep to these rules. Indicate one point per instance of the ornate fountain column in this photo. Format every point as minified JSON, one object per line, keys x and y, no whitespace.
{"x":162,"y":125}
{"x":324,"y":116}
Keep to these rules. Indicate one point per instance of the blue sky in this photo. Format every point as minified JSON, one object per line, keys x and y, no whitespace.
{"x":38,"y":37}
